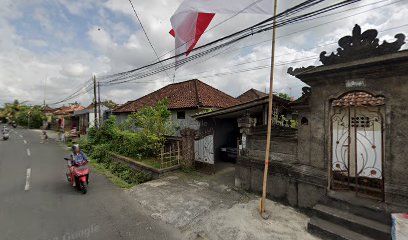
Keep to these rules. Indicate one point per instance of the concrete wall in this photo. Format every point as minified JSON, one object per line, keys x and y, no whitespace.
{"x":188,"y":122}
{"x":300,"y":171}
{"x":388,"y":77}
{"x":289,"y":180}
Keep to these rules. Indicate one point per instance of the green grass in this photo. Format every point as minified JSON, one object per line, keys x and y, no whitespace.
{"x":151,"y":162}
{"x":114,"y":179}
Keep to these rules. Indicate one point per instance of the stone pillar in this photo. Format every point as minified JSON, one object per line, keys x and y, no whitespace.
{"x":245,"y":124}
{"x":187,"y":147}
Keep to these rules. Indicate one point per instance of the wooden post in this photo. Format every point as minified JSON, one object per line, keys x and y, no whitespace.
{"x":262,"y":208}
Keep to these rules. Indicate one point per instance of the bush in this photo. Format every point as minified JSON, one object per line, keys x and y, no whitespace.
{"x":153,"y":123}
{"x":31,"y":116}
{"x":101,"y":153}
{"x":85,"y":145}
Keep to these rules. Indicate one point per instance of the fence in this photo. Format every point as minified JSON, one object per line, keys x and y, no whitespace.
{"x":170,"y":155}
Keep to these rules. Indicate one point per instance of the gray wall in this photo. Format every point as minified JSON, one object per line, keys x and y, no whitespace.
{"x":386,"y":76}
{"x":299,"y":171}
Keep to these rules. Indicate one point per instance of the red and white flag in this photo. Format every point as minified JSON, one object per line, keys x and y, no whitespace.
{"x":192,"y":18}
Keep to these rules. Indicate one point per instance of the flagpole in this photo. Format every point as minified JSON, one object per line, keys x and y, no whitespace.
{"x":262,"y":208}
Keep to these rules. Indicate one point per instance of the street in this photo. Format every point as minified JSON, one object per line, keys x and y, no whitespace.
{"x":36,"y":201}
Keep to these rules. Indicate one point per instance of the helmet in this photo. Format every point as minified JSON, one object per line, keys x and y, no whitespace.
{"x":75,"y":147}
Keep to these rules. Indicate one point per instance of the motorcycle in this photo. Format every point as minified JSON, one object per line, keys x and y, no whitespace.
{"x":5,"y":136}
{"x":80,"y":174}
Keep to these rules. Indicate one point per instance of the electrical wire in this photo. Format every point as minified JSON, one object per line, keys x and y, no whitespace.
{"x":132,"y":75}
{"x":147,"y":37}
{"x":235,"y":37}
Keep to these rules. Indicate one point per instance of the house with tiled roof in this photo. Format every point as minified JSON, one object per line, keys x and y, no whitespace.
{"x":86,"y":117}
{"x":65,"y":117}
{"x":184,"y":100}
{"x":251,"y":95}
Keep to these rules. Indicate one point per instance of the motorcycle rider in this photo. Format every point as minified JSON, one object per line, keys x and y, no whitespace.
{"x":77,"y":159}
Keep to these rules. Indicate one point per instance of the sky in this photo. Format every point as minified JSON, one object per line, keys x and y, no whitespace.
{"x":50,"y":47}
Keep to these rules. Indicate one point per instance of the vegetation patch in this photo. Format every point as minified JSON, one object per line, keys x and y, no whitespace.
{"x":113,"y":178}
{"x":141,"y":138}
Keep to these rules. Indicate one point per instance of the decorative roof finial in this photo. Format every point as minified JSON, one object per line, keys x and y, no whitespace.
{"x":360,"y":46}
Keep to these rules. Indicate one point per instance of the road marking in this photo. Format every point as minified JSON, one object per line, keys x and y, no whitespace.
{"x":27,"y":185}
{"x":21,"y":136}
{"x":28,"y":152}
{"x":25,"y":142}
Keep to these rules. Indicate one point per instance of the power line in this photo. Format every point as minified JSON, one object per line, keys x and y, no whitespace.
{"x":235,"y":37}
{"x":129,"y":76}
{"x":147,"y":37}
{"x":257,"y":28}
{"x":303,"y":30}
{"x":268,"y":58}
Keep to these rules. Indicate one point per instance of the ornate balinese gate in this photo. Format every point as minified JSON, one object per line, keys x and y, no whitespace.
{"x":357,"y":144}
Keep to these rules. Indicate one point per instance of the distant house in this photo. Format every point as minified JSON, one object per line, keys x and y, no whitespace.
{"x":49,"y":113}
{"x":251,"y":95}
{"x":184,"y":100}
{"x":65,"y":117}
{"x":224,"y":131}
{"x":86,"y":116}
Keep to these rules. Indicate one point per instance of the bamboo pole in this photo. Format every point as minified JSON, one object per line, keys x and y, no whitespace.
{"x":262,"y":208}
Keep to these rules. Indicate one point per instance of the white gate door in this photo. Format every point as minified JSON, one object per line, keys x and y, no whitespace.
{"x":204,"y":149}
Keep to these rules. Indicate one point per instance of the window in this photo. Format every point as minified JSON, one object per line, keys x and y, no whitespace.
{"x":304,"y":121}
{"x":181,"y":115}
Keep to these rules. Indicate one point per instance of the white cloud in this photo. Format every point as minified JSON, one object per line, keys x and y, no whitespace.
{"x":74,"y":70}
{"x":114,"y":42}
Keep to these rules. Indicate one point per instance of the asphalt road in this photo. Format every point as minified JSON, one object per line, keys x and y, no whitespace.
{"x":36,"y":201}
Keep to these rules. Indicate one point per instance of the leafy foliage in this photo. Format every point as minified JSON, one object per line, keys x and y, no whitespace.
{"x":284,"y":96}
{"x":22,"y":114}
{"x":152,"y":123}
{"x":30,"y":116}
{"x":110,"y":104}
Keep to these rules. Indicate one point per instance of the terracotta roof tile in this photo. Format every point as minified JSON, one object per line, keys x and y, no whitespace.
{"x":358,"y":99}
{"x":69,"y":109}
{"x":188,"y":94}
{"x":250,"y":95}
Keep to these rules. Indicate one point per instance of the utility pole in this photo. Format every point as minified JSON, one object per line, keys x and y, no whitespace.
{"x":262,"y":208}
{"x":99,"y":104}
{"x":94,"y":102}
{"x":45,"y":90}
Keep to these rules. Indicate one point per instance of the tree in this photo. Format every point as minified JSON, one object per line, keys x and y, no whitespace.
{"x":284,"y":96}
{"x":153,"y":120}
{"x":30,"y":116}
{"x":110,"y":104}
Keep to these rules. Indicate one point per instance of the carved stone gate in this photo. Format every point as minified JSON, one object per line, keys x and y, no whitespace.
{"x":357,"y":144}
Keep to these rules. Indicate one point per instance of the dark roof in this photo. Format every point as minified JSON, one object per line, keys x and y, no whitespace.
{"x":358,"y":99}
{"x":245,"y":106}
{"x":188,"y":94}
{"x":250,"y":95}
